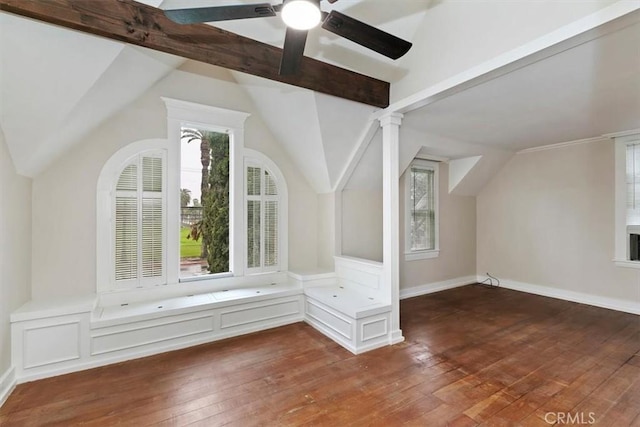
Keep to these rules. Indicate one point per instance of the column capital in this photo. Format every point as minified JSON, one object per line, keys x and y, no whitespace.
{"x":391,"y":118}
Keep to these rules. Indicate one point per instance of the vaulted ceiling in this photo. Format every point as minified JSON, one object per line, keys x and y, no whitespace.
{"x":56,"y":85}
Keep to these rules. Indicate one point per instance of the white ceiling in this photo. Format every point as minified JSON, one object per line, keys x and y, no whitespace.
{"x":57,"y":85}
{"x":586,"y":91}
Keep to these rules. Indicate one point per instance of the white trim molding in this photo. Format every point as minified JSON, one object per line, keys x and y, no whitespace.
{"x":390,"y":124}
{"x":7,"y":384}
{"x":617,"y":304}
{"x":418,"y":255}
{"x":566,"y":144}
{"x":626,"y":263}
{"x":433,"y":287}
{"x":216,"y":119}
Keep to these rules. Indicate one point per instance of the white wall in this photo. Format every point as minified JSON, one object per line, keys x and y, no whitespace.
{"x":457,"y":259}
{"x":362,"y":233}
{"x":547,"y":218}
{"x":64,"y":205}
{"x":15,"y":247}
{"x":362,"y":223}
{"x":458,"y":35}
{"x":361,"y":200}
{"x":326,"y":230}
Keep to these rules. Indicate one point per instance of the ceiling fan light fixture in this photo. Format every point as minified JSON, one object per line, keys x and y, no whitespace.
{"x":301,"y":14}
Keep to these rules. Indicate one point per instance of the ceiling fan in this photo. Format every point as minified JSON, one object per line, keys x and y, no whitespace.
{"x":299,"y":16}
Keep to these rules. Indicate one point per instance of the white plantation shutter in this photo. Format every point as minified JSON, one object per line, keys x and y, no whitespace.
{"x":126,"y":264}
{"x":140,"y":221}
{"x":270,"y":233}
{"x":422,"y":201}
{"x":270,"y":188}
{"x":152,"y":216}
{"x":262,"y":203}
{"x":253,"y":233}
{"x":633,"y":184}
{"x":126,"y":224}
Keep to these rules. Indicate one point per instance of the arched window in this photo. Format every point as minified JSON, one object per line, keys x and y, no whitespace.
{"x":131,"y":216}
{"x":139,"y":202}
{"x":266,"y":208}
{"x":139,"y":211}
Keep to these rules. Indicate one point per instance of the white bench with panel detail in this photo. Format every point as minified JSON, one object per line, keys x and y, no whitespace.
{"x":353,"y":309}
{"x":65,"y":335}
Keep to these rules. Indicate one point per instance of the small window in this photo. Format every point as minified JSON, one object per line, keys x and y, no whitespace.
{"x":263,"y":218}
{"x":139,"y":206}
{"x":627,"y":201}
{"x":633,"y":184}
{"x":421,"y":206}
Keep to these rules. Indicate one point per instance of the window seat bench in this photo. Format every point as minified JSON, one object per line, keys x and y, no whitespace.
{"x":124,"y":313}
{"x":54,"y":337}
{"x":351,"y":310}
{"x":62,"y":335}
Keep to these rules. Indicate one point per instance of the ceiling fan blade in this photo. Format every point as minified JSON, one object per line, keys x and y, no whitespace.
{"x":294,"y":42}
{"x":220,"y":13}
{"x":365,"y":35}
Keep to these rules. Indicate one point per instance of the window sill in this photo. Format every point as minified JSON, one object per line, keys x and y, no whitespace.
{"x":626,"y":263}
{"x":418,"y":255}
{"x":205,"y":277}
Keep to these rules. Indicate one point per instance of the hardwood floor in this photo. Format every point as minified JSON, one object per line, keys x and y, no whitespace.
{"x":472,"y":356}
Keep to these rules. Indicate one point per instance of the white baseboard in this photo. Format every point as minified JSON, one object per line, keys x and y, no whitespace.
{"x":396,"y":337}
{"x":7,"y":384}
{"x":430,"y":288}
{"x":632,"y":307}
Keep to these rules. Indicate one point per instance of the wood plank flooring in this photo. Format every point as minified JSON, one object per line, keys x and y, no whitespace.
{"x":472,"y":356}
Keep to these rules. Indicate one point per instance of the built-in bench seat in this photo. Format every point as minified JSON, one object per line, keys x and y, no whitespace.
{"x":54,"y":337}
{"x":353,"y":303}
{"x":351,"y":310}
{"x":127,"y":312}
{"x":65,"y":335}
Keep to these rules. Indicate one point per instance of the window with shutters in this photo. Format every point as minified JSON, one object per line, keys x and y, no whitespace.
{"x":627,"y":200}
{"x":145,"y":205}
{"x":262,"y":201}
{"x":139,"y":200}
{"x":632,"y":181}
{"x":421,"y":210}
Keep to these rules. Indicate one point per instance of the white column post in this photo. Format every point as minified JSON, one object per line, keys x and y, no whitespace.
{"x":391,"y":217}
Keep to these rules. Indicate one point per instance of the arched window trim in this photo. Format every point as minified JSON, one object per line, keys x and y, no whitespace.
{"x":105,"y":209}
{"x":180,"y":113}
{"x":256,"y":158}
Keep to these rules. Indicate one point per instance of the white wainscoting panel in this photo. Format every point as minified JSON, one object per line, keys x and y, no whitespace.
{"x":321,"y":315}
{"x":44,"y":345}
{"x":51,"y":344}
{"x":246,"y":314}
{"x":106,"y":340}
{"x":374,"y":329}
{"x":358,"y":272}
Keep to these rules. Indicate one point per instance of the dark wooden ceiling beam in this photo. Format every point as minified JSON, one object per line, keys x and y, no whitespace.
{"x":136,"y":23}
